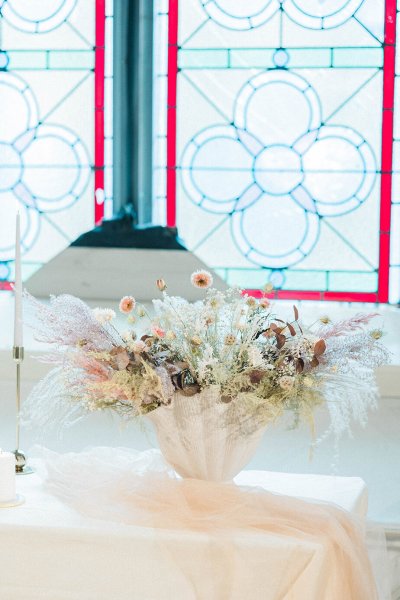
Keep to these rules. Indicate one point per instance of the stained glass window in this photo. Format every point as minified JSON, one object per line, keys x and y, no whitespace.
{"x":53,"y":110}
{"x":275,"y":166}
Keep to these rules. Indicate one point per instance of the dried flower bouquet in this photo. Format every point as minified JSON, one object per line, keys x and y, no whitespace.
{"x":230,"y":343}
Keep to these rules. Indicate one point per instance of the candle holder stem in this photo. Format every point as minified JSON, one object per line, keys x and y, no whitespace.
{"x":20,"y":459}
{"x":18,"y":401}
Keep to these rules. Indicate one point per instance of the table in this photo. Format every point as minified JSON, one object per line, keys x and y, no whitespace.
{"x":50,"y":552}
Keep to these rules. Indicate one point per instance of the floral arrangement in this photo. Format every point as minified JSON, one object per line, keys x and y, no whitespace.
{"x":229,"y":341}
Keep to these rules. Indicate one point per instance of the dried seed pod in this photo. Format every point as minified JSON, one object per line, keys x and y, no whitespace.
{"x":226,"y":399}
{"x":162,"y":286}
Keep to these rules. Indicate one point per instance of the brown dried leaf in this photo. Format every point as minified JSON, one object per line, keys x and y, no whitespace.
{"x":296,"y":313}
{"x":299,"y":365}
{"x":319,"y":347}
{"x":291,"y":329}
{"x":314,"y":362}
{"x":256,"y":375}
{"x":280,"y":340}
{"x":268,"y":333}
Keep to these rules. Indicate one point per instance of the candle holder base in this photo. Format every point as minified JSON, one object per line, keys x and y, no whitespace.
{"x":25,"y":471}
{"x":18,"y":500}
{"x":21,"y":468}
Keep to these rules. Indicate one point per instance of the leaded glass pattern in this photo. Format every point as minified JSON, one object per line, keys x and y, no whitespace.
{"x":278,"y":142}
{"x":47,"y":127}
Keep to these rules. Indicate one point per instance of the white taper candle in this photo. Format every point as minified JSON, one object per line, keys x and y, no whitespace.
{"x":7,"y":476}
{"x":18,"y":340}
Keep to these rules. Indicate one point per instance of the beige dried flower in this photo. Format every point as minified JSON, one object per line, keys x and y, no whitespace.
{"x":170,"y":336}
{"x":129,"y":336}
{"x":286,"y":382}
{"x":209,"y":320}
{"x":157,"y":331}
{"x":131,"y":319}
{"x":325,"y":320}
{"x":196,"y":341}
{"x":268,"y":287}
{"x":264,"y":303}
{"x":308,"y":381}
{"x":201,"y":279}
{"x":138,"y":347}
{"x":376,"y":334}
{"x":230,"y":339}
{"x":252,"y":302}
{"x":162,"y":286}
{"x":127,"y":304}
{"x":215,"y":303}
{"x":141,"y":312}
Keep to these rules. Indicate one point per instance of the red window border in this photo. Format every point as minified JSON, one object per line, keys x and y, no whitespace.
{"x":99,"y":62}
{"x":389,"y":46}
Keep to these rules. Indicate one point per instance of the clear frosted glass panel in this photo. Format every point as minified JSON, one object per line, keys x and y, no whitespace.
{"x":46,"y":127}
{"x":27,"y":60}
{"x":395,"y":236}
{"x":189,"y":59}
{"x":357,"y":57}
{"x":71,"y":60}
{"x":360,"y":282}
{"x":279,"y":140}
{"x":394,"y":280}
{"x":305,"y":280}
{"x":305,"y":57}
{"x":247,"y":58}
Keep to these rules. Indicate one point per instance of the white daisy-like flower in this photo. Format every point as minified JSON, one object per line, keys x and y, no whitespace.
{"x":138,"y":347}
{"x":255,"y":356}
{"x":129,"y":336}
{"x":308,"y":381}
{"x":103,"y":315}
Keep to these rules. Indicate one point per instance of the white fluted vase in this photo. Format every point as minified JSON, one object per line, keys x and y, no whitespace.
{"x":204,"y":438}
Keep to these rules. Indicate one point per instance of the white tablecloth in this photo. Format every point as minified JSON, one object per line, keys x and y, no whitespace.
{"x":48,"y":551}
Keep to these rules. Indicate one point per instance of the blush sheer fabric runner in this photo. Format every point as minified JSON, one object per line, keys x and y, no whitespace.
{"x":325,"y":559}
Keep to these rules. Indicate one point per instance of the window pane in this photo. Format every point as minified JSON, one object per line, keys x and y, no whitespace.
{"x":278,"y":140}
{"x":47,"y":129}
